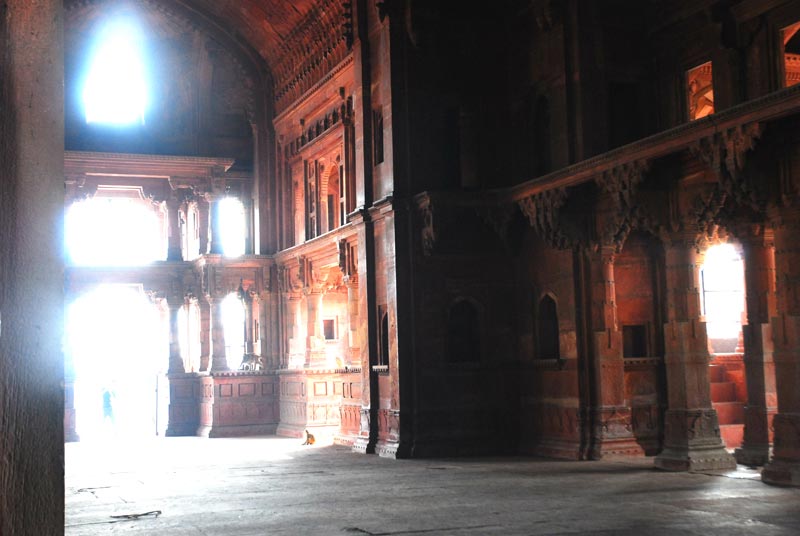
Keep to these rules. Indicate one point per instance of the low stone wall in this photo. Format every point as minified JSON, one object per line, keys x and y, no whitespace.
{"x":326,"y":402}
{"x":245,"y":403}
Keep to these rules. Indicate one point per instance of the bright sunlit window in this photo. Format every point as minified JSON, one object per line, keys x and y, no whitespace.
{"x":118,"y":344}
{"x":723,"y":296}
{"x":113,"y":232}
{"x":116,"y":91}
{"x":232,"y":225}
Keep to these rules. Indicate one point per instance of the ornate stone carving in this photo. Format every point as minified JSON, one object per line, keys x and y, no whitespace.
{"x":427,"y":229}
{"x":725,"y":153}
{"x":621,"y":183}
{"x":319,"y":43}
{"x":498,"y":218}
{"x":542,"y":211}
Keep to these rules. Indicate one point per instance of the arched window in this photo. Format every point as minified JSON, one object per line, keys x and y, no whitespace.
{"x":547,"y":344}
{"x":115,"y":91}
{"x":463,"y":333}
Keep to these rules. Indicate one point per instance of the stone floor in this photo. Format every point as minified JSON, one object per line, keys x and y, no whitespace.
{"x":259,"y":486}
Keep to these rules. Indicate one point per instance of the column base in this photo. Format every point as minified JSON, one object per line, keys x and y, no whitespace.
{"x":752,"y":456}
{"x":692,"y":443}
{"x":782,"y":473}
{"x":613,"y":434}
{"x":695,"y":459}
{"x":784,"y":469}
{"x":365,"y":440}
{"x":563,"y":449}
{"x":364,"y":445}
{"x":181,"y":430}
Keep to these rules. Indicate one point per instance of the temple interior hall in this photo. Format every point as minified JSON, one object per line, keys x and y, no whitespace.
{"x":553,"y":239}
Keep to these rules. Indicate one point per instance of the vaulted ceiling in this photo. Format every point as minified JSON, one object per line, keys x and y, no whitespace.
{"x":296,"y":40}
{"x":266,"y":25}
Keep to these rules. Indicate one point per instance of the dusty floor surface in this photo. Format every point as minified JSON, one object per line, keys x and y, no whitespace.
{"x":266,"y":486}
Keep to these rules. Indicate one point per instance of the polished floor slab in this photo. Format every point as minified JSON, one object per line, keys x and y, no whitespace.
{"x":258,"y":486}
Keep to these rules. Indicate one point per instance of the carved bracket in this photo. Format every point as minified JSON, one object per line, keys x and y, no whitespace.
{"x":622,"y":183}
{"x":427,"y":229}
{"x":725,"y":153}
{"x":542,"y":211}
{"x":498,"y":218}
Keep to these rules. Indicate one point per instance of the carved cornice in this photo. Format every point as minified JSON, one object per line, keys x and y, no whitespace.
{"x":770,"y":107}
{"x":313,"y":130}
{"x":312,"y":49}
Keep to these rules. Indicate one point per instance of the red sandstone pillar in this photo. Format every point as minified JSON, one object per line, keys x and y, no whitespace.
{"x":759,"y":275}
{"x":219,"y":360}
{"x":353,"y":345}
{"x":784,"y":468}
{"x":315,"y":347}
{"x":173,"y":228}
{"x":612,"y":432}
{"x":691,"y":428}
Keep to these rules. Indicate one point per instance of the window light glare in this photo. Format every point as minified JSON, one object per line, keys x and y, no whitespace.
{"x":232,"y":227}
{"x":115,"y":90}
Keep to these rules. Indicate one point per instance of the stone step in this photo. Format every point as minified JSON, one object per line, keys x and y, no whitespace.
{"x":723,"y":392}
{"x":732,"y":435}
{"x":729,"y":412}
{"x":717,"y":373}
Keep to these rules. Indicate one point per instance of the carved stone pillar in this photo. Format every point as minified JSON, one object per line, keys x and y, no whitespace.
{"x":215,"y":223}
{"x":784,"y":468}
{"x":173,"y":228}
{"x":219,"y":360}
{"x":259,"y":325}
{"x":249,"y":323}
{"x":759,"y":275}
{"x":692,"y":439}
{"x":315,"y":349}
{"x":203,"y":223}
{"x":205,"y":334}
{"x":296,"y":329}
{"x":611,"y":418}
{"x":354,"y":344}
{"x":160,"y":209}
{"x":176,"y":365}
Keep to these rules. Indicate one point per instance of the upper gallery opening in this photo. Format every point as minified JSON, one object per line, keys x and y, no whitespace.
{"x":147,"y":77}
{"x":115,"y":88}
